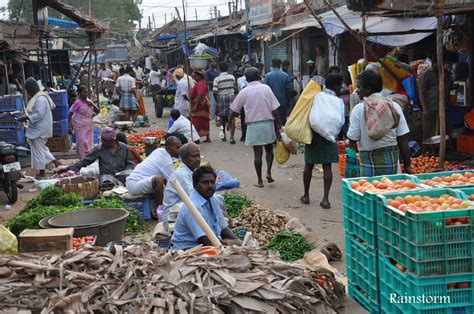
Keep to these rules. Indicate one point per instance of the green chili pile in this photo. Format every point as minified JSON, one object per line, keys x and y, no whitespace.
{"x":235,"y":204}
{"x":290,"y":245}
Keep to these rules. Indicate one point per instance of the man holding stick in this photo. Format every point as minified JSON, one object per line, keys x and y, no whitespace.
{"x":187,"y":231}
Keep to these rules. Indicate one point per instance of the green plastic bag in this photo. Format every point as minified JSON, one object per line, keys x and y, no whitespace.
{"x":352,"y":164}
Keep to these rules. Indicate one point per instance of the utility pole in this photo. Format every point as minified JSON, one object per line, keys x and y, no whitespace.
{"x":149,"y":22}
{"x":229,"y":4}
{"x":247,"y":28}
{"x":154,"y":23}
{"x":196,"y":12}
{"x":90,"y":7}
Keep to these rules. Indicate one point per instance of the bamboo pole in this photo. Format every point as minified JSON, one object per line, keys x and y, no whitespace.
{"x":442,"y":91}
{"x":197,"y":216}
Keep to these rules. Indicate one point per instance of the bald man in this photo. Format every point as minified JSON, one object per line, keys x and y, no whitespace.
{"x":151,"y":175}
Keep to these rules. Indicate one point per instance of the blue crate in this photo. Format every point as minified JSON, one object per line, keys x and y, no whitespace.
{"x":394,"y":284}
{"x":362,"y":273}
{"x":14,"y":136}
{"x":60,"y":128}
{"x":11,"y":103}
{"x":8,"y":121}
{"x":142,"y":205}
{"x":96,"y":136}
{"x":61,"y":111}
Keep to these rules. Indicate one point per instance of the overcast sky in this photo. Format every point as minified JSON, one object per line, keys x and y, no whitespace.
{"x":159,"y":8}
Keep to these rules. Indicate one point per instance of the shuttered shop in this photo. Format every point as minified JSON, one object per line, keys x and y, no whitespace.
{"x":279,"y":51}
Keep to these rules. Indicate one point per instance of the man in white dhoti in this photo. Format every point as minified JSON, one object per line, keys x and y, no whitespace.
{"x":39,"y":128}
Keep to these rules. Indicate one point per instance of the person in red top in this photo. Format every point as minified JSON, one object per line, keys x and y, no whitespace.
{"x":200,"y":106}
{"x":135,"y":156}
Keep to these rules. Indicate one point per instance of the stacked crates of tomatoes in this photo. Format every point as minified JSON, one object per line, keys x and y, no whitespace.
{"x":11,"y":131}
{"x":426,"y":246}
{"x":421,"y":231}
{"x":359,"y":198}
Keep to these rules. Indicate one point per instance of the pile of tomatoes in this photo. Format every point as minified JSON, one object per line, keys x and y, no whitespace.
{"x":78,"y":242}
{"x":456,"y":179}
{"x":384,"y":185}
{"x":138,"y":138}
{"x":426,"y":164}
{"x":420,"y":204}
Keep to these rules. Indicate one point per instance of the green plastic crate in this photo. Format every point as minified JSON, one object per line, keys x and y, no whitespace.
{"x":394,"y":283}
{"x":428,"y":176}
{"x":365,"y":302}
{"x":423,"y":242}
{"x":468,"y":190}
{"x":362,"y":272}
{"x":359,"y":209}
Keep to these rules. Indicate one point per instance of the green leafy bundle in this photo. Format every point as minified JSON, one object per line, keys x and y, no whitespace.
{"x":290,"y":245}
{"x":235,"y":204}
{"x":53,"y":200}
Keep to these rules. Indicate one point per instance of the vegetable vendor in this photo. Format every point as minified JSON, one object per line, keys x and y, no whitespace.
{"x":187,"y":232}
{"x":113,"y":156}
{"x":151,"y":175}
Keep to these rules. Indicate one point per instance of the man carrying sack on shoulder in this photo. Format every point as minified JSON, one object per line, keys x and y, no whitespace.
{"x":380,"y":129}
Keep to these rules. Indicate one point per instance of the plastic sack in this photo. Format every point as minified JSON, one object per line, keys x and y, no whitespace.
{"x":380,"y":116}
{"x":225,"y":181}
{"x":291,"y":145}
{"x":352,"y":164}
{"x":282,"y":154}
{"x":297,"y":126}
{"x":8,"y":241}
{"x":327,"y":116}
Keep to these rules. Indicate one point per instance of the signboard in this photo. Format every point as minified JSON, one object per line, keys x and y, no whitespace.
{"x":261,"y":11}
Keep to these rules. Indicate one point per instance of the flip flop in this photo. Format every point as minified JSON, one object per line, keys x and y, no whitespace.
{"x":259,"y":185}
{"x":324,"y":205}
{"x":270,"y":179}
{"x":232,"y":141}
{"x":304,"y":201}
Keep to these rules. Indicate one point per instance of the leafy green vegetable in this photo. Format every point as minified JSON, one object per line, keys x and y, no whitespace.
{"x":202,"y":56}
{"x":52,"y":201}
{"x":235,"y":204}
{"x":290,"y":245}
{"x":54,"y":196}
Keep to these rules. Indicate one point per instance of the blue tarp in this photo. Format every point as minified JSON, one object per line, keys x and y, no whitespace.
{"x":62,"y":23}
{"x":167,"y":37}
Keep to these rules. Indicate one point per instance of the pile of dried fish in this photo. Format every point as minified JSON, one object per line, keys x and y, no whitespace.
{"x":264,"y":223}
{"x":141,"y":279}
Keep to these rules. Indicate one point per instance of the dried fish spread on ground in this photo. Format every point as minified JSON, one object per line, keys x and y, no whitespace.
{"x":141,"y":279}
{"x":262,"y":222}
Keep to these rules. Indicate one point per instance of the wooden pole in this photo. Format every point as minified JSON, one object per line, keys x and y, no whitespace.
{"x":96,"y":73}
{"x":197,"y":216}
{"x":364,"y":37}
{"x":442,"y":91}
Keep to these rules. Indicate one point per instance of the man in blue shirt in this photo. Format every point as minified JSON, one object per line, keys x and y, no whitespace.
{"x":280,"y":83}
{"x":209,"y":76}
{"x":187,"y":232}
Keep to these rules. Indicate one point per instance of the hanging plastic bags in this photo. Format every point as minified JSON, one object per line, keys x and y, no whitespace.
{"x":282,"y":154}
{"x":297,"y":126}
{"x":291,"y":145}
{"x":327,"y":116}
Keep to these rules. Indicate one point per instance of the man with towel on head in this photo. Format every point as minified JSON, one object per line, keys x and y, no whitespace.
{"x":113,"y":157}
{"x":39,"y":128}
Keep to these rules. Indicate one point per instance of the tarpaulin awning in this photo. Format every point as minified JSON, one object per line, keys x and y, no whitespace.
{"x":374,"y":24}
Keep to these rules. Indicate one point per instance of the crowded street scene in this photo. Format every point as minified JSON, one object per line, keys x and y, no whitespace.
{"x":256,"y":156}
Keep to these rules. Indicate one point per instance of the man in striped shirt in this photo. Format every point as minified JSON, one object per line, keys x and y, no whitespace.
{"x":224,"y":92}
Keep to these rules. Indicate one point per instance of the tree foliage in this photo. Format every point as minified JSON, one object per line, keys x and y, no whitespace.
{"x":119,"y":14}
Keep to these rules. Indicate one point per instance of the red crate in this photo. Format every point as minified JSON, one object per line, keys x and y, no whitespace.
{"x":466,"y":143}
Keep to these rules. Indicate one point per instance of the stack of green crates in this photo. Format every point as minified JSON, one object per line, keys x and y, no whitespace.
{"x":439,"y":258}
{"x":360,"y":225}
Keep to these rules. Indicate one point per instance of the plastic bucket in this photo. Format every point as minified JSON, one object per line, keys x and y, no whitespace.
{"x":108,"y":224}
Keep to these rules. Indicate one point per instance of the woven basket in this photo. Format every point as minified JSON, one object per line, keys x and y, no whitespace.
{"x":87,"y":188}
{"x":59,"y":144}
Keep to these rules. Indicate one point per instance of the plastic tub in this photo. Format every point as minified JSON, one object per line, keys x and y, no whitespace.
{"x":108,"y":224}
